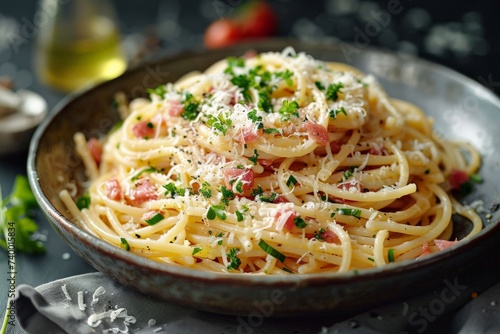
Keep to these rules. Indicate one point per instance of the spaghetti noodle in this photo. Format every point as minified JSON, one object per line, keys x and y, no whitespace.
{"x":274,"y":163}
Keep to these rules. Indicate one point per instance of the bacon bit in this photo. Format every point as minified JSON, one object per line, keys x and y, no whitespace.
{"x":281,"y":199}
{"x":248,"y":135}
{"x":474,"y":295}
{"x":176,"y":108}
{"x":95,"y":148}
{"x":287,"y":214}
{"x":143,"y":129}
{"x":335,"y":147}
{"x":233,"y":175}
{"x":144,"y":191}
{"x":443,"y":244}
{"x":457,"y":178}
{"x":317,"y":132}
{"x":265,"y":162}
{"x":114,"y":189}
{"x":425,"y":250}
{"x":330,"y":237}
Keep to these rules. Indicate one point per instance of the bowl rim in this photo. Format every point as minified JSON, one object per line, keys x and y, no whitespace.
{"x":391,"y":269}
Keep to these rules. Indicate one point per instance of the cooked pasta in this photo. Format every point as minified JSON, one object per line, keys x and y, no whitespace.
{"x":274,"y":163}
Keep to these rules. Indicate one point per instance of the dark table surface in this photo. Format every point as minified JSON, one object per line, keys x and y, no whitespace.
{"x":462,"y":36}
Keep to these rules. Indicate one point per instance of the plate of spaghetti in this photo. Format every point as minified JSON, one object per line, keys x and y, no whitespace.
{"x":282,"y":173}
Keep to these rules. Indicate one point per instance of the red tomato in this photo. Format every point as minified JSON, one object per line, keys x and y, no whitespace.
{"x":257,"y":19}
{"x":221,"y":33}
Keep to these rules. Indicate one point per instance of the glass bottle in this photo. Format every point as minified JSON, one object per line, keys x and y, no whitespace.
{"x":79,"y":44}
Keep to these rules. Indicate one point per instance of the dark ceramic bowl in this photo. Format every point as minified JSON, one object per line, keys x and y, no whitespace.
{"x":461,"y":108}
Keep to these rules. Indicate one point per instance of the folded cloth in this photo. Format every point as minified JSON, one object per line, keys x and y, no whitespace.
{"x":92,"y":303}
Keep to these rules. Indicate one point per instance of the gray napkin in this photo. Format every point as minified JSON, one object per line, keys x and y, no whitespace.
{"x":466,"y":303}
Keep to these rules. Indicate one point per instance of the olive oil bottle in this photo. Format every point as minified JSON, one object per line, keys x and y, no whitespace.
{"x":79,"y":45}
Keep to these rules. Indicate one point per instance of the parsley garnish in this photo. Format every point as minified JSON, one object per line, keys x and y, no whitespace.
{"x":319,"y":234}
{"x":287,"y":76}
{"x":234,"y":261}
{"x":349,"y":212}
{"x":291,"y":182}
{"x":288,"y":109}
{"x":299,"y":222}
{"x":216,"y":211}
{"x":239,"y":216}
{"x":265,"y":102}
{"x":257,"y":192}
{"x":271,"y":130}
{"x":205,"y":190}
{"x":227,"y":194}
{"x":348,"y":173}
{"x":335,"y":112}
{"x":252,"y":115}
{"x":333,"y":91}
{"x":83,"y":202}
{"x":158,"y":217}
{"x":160,"y":91}
{"x":271,"y":251}
{"x":243,"y":81}
{"x":319,"y":85}
{"x":174,"y":191}
{"x":268,"y":199}
{"x":147,"y":170}
{"x":233,"y":62}
{"x":196,"y":250}
{"x":390,"y":255}
{"x":254,"y":157}
{"x":124,"y":244}
{"x":219,"y":123}
{"x":191,"y":110}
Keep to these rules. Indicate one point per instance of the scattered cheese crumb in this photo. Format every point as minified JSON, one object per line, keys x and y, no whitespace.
{"x":98,"y":292}
{"x":81,"y":303}
{"x":151,"y":322}
{"x":65,"y":291}
{"x":66,"y":256}
{"x":493,"y":303}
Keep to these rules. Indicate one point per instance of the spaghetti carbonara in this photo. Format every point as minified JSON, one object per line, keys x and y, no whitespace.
{"x":274,"y":163}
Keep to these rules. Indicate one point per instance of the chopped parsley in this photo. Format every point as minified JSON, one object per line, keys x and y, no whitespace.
{"x":346,"y":175}
{"x":191,"y":107}
{"x":286,"y":75}
{"x":196,"y":250}
{"x":243,"y":81}
{"x":83,"y":202}
{"x":233,"y":62}
{"x":147,"y":170}
{"x":390,"y":255}
{"x":252,"y":115}
{"x":158,"y":217}
{"x":333,"y":113}
{"x":333,"y":91}
{"x":271,"y":130}
{"x":239,"y":216}
{"x":205,"y":190}
{"x":268,"y":199}
{"x":234,"y":261}
{"x":349,"y":212}
{"x":227,"y":194}
{"x":216,"y":211}
{"x":254,"y":157}
{"x":318,"y":235}
{"x":124,"y":244}
{"x":299,"y":222}
{"x":291,"y":182}
{"x":220,"y":123}
{"x":161,"y":90}
{"x":271,"y":251}
{"x":288,"y":109}
{"x":319,"y":85}
{"x":265,"y":102}
{"x":174,"y":191}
